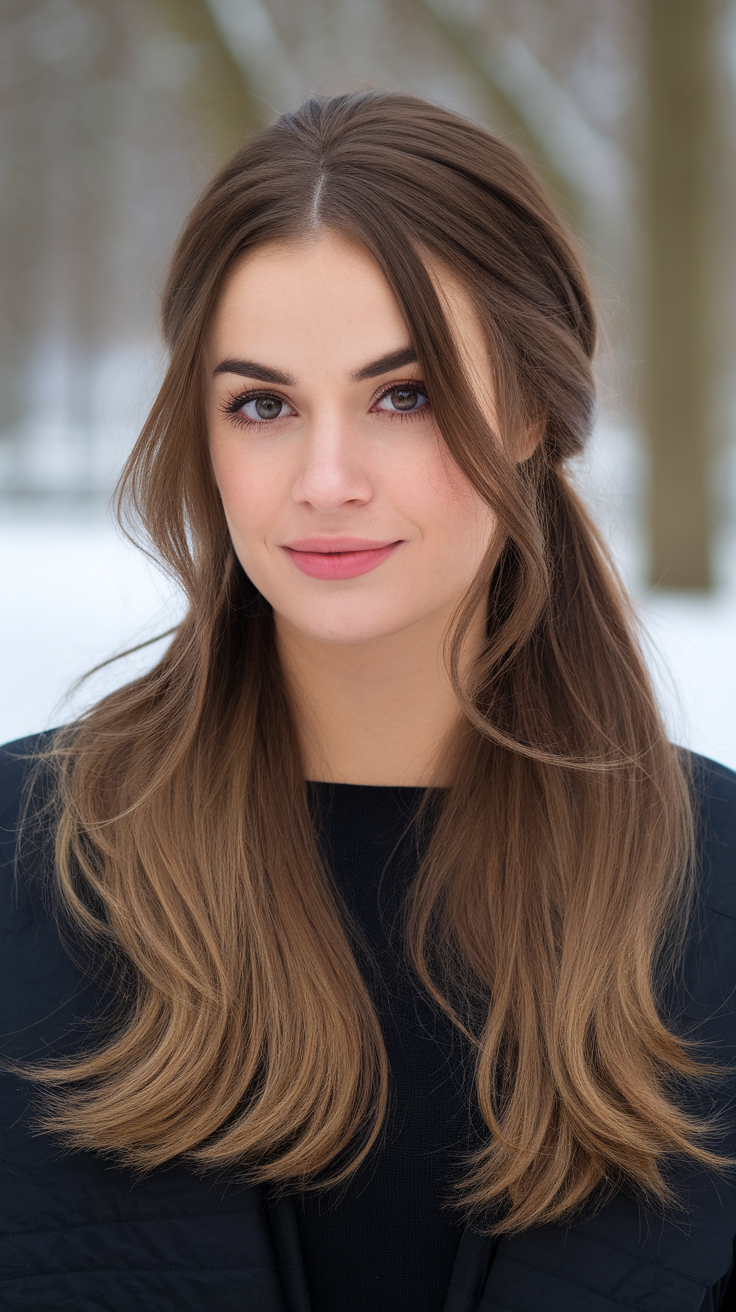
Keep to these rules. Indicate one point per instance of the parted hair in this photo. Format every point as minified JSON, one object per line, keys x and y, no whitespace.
{"x":550,"y":904}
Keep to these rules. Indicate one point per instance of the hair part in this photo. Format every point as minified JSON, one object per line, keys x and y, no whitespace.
{"x":185,"y":843}
{"x":315,"y":218}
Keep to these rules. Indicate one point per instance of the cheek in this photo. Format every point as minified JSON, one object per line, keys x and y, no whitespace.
{"x":251,"y":489}
{"x":459,"y":521}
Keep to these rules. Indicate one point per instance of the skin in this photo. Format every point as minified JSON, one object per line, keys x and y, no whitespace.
{"x":362,"y":655}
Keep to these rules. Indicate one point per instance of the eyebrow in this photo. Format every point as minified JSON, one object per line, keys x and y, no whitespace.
{"x":394,"y":360}
{"x":249,"y":369}
{"x":263,"y":373}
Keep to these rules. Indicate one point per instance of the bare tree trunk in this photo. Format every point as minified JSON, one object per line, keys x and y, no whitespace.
{"x":503,"y":109}
{"x":677,"y":384}
{"x":220,"y":88}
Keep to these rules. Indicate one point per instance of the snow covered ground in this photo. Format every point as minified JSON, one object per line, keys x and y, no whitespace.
{"x":692,"y":653}
{"x":73,"y":593}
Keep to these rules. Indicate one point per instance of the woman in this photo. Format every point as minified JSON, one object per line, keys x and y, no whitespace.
{"x":373,"y":950}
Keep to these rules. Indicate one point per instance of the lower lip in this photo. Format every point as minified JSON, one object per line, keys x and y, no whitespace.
{"x":340,"y":564}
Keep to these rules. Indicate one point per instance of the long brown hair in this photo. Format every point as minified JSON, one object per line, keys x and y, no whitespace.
{"x":551,"y":901}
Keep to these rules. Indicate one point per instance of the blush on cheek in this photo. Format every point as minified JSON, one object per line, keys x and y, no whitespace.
{"x":461,"y":504}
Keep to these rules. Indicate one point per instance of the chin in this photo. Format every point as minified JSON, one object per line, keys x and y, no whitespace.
{"x":345,"y":634}
{"x":347,"y":628}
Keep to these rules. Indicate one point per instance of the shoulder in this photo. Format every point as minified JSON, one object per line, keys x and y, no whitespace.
{"x":18,"y":761}
{"x":715,"y":804}
{"x":706,"y":997}
{"x":37,"y":975}
{"x":24,"y":790}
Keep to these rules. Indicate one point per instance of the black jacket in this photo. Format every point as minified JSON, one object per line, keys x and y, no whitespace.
{"x":81,"y":1234}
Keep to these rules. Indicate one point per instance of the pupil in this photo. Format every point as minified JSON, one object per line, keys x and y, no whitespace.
{"x":404,"y":398}
{"x":268,"y":407}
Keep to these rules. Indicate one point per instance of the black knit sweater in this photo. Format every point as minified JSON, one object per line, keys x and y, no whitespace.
{"x":382,"y":1241}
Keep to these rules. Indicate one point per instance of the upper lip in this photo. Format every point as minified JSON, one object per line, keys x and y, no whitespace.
{"x":334,"y":544}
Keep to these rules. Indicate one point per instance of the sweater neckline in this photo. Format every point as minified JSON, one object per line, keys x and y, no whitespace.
{"x":324,"y":784}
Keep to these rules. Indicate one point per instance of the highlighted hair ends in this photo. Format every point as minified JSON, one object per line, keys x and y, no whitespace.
{"x":551,"y":903}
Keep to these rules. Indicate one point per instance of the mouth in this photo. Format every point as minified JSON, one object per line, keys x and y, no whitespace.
{"x":339,"y":558}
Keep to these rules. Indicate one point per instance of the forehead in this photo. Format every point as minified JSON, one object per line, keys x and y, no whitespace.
{"x":324,"y":302}
{"x":290,"y":297}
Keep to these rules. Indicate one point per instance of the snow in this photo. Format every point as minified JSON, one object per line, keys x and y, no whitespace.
{"x":692,"y":656}
{"x":73,"y":593}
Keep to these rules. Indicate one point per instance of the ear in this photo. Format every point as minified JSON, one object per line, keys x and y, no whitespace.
{"x":535,"y":434}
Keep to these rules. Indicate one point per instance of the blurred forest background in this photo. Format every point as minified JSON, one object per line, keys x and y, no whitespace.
{"x":113,"y":118}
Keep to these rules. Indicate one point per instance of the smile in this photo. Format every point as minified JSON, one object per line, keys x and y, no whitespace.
{"x":339,"y":558}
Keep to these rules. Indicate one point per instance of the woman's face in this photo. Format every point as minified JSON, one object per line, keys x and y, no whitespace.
{"x":344,"y":506}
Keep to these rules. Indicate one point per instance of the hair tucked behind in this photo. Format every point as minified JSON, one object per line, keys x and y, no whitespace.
{"x":551,"y":902}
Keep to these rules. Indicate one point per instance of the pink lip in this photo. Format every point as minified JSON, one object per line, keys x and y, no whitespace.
{"x":338,"y":557}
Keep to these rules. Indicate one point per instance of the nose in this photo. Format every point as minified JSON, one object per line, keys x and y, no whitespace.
{"x":333,"y":472}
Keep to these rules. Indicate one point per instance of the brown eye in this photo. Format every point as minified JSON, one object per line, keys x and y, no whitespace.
{"x":261,"y":409}
{"x":402,"y":399}
{"x":268,"y":407}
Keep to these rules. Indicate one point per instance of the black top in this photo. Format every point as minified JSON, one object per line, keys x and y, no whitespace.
{"x":385,"y":1241}
{"x":78,"y":1231}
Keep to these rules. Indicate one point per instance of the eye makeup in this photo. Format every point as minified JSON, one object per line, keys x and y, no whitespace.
{"x":232,"y":407}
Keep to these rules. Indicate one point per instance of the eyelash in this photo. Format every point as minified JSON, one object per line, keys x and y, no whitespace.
{"x":231,"y":407}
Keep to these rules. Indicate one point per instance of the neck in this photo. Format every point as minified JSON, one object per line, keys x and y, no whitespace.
{"x":376,"y":712}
